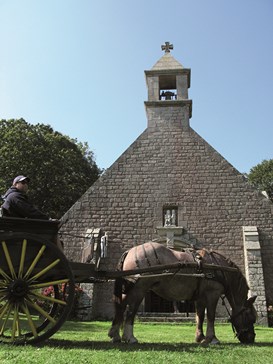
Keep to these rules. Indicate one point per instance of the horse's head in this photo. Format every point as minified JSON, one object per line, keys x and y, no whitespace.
{"x":243,"y":322}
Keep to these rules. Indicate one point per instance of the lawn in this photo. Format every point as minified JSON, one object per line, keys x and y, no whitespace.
{"x":87,"y":342}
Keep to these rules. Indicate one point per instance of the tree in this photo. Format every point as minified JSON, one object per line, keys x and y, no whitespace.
{"x":261,"y":176}
{"x":60,"y":168}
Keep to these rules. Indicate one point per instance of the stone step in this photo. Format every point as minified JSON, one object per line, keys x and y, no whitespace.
{"x":165,"y":317}
{"x":172,"y":317}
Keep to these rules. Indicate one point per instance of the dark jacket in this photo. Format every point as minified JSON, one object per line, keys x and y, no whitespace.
{"x":17,"y":205}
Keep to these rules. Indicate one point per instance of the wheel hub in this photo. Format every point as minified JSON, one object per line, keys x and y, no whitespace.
{"x":18,"y":288}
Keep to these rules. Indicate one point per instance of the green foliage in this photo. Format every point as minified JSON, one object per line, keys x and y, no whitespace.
{"x":60,"y":168}
{"x":261,"y":176}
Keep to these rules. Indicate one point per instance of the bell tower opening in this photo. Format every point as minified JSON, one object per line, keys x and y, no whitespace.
{"x":167,"y":87}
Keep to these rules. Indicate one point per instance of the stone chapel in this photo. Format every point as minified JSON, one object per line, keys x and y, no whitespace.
{"x":172,"y":187}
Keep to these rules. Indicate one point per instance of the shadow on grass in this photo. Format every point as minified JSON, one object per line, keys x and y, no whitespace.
{"x":81,"y":326}
{"x":173,"y":347}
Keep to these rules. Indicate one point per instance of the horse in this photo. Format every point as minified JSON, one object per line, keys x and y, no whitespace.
{"x":225,"y":281}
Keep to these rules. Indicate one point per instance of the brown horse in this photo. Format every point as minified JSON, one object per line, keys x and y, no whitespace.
{"x":203,"y":286}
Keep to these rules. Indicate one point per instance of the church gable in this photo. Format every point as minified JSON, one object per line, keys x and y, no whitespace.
{"x":171,"y":167}
{"x":171,"y":186}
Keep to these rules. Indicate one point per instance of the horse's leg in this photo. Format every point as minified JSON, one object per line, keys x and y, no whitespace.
{"x":133,"y":301}
{"x":119,"y":311}
{"x":199,"y":316}
{"x":117,"y":322}
{"x":210,"y":332}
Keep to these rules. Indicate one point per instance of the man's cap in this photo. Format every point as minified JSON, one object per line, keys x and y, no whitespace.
{"x":20,"y":179}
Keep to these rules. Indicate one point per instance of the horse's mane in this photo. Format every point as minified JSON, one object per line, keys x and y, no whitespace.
{"x":235,"y":280}
{"x":215,"y":255}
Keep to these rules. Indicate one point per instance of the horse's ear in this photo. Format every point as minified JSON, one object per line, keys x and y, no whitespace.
{"x":250,"y":301}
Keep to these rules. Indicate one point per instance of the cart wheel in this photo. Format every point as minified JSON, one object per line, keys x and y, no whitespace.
{"x":36,"y":288}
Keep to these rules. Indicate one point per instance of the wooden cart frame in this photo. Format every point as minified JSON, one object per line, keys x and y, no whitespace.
{"x":37,"y":282}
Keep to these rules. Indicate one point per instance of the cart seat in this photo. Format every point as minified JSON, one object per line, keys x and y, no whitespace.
{"x":46,"y":228}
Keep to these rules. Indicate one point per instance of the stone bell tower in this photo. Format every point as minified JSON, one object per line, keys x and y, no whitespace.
{"x":168,"y":82}
{"x":169,"y":108}
{"x":171,"y":186}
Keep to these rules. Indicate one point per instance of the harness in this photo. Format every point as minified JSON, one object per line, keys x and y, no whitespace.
{"x":217,"y":275}
{"x":232,"y":317}
{"x":148,"y":262}
{"x":221,"y":278}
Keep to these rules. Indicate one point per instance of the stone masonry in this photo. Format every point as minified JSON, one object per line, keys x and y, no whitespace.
{"x":254,"y":270}
{"x":169,"y":164}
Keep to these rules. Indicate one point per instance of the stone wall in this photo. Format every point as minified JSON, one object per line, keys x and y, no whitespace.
{"x":254,"y":270}
{"x":169,"y":165}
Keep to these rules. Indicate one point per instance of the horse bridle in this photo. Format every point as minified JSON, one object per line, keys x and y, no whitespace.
{"x":232,"y":317}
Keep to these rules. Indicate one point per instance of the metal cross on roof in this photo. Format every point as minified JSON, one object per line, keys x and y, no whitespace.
{"x":167,"y":47}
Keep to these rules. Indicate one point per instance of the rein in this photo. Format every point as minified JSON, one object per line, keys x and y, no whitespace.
{"x":232,"y":317}
{"x":73,"y":235}
{"x":224,"y":304}
{"x":223,"y":297}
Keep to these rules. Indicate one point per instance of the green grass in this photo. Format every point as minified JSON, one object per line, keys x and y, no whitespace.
{"x":87,"y":342}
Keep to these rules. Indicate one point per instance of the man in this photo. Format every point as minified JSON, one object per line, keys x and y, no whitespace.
{"x":16,"y":203}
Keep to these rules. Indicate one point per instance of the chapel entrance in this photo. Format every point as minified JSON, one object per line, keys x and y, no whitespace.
{"x":154,"y":303}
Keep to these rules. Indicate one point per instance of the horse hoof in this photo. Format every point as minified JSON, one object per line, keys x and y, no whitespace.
{"x":132,"y":340}
{"x":213,"y":341}
{"x":114,"y":336}
{"x":115,"y":340}
{"x":199,"y":339}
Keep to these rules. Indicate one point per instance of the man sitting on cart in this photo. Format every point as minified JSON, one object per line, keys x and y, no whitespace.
{"x":16,"y":203}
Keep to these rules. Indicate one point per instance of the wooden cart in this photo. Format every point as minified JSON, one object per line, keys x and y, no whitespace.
{"x":37,"y":282}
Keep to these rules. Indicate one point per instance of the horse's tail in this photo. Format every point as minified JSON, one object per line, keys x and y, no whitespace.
{"x":117,"y":297}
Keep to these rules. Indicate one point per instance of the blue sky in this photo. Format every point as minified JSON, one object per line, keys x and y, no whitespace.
{"x":78,"y":65}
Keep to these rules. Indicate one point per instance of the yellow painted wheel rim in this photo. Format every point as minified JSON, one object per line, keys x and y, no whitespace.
{"x":33,"y":277}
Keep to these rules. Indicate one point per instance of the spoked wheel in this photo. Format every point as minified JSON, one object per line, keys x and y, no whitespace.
{"x":36,"y":288}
